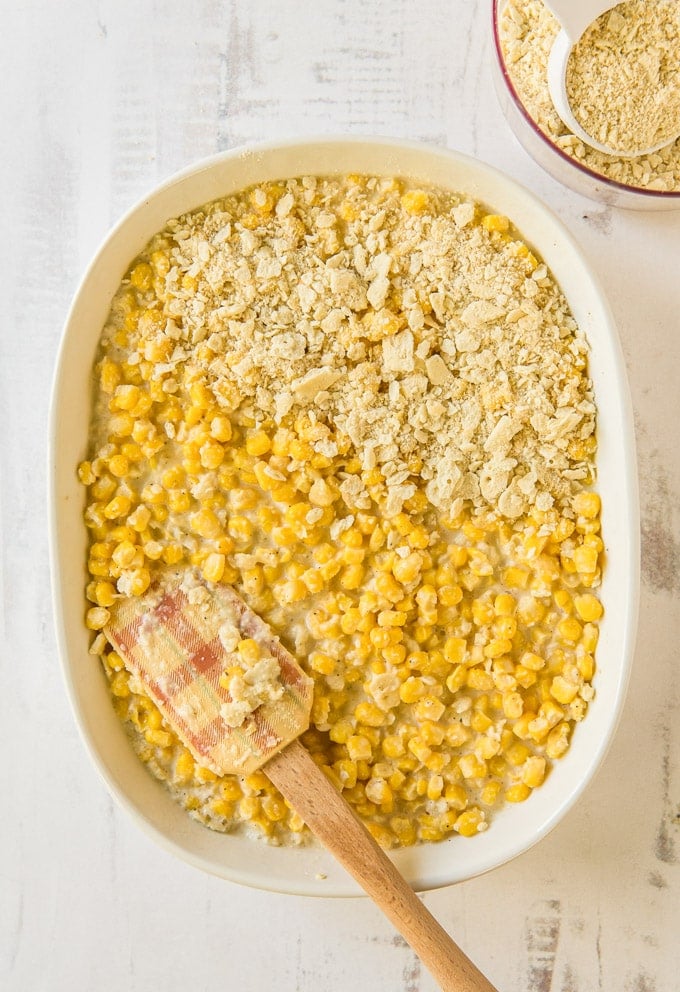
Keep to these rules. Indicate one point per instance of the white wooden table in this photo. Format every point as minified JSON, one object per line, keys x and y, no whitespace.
{"x":100,"y":101}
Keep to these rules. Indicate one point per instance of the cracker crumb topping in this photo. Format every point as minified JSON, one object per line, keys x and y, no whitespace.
{"x":416,"y":335}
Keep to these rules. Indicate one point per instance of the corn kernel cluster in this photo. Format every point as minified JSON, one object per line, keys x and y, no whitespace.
{"x":452,"y":656}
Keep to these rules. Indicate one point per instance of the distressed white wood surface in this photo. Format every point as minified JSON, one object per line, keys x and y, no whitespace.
{"x":99,"y":101}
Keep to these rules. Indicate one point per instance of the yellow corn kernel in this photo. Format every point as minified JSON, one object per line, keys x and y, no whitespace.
{"x":496,"y":647}
{"x":230,"y":789}
{"x":274,"y":808}
{"x":240,"y":528}
{"x":415,"y":201}
{"x":532,"y":661}
{"x":223,"y":808}
{"x":471,"y":766}
{"x":184,"y":768}
{"x":152,"y":550}
{"x":393,"y":746}
{"x":126,"y":397}
{"x":496,"y":222}
{"x":456,"y":679}
{"x":179,"y":501}
{"x":109,"y":376}
{"x":172,"y":554}
{"x":369,"y":714}
{"x":352,"y":577}
{"x":530,"y":610}
{"x":386,"y":585}
{"x":504,"y":604}
{"x":258,"y":444}
{"x":418,"y":538}
{"x":98,"y":568}
{"x":585,"y":559}
{"x":480,"y":722}
{"x":570,"y":629}
{"x":105,"y":594}
{"x":435,"y":787}
{"x":119,"y":466}
{"x":211,"y":454}
{"x":586,"y":666}
{"x":457,"y":734}
{"x":119,"y":684}
{"x":551,"y":712}
{"x":221,"y":429}
{"x":517,"y":793}
{"x":391,"y":618}
{"x":562,"y":690}
{"x":450,"y":595}
{"x":85,"y":473}
{"x":490,"y":793}
{"x":498,"y":766}
{"x":456,"y":796}
{"x":455,"y":649}
{"x":517,"y":753}
{"x":565,"y":528}
{"x":588,"y":607}
{"x":322,"y":663}
{"x":533,"y":771}
{"x":139,"y":518}
{"x":359,"y":747}
{"x":138,"y":581}
{"x":505,"y":628}
{"x":124,"y":554}
{"x":121,"y":425}
{"x":407,"y":570}
{"x":515,"y":577}
{"x":477,"y":678}
{"x":346,"y":772}
{"x":563,"y":600}
{"x":159,"y":738}
{"x":513,"y":705}
{"x":378,"y":792}
{"x":587,"y":505}
{"x":205,"y":524}
{"x":119,"y":506}
{"x":403,"y":830}
{"x":114,"y":661}
{"x":420,"y":749}
{"x":103,"y":489}
{"x":558,"y":741}
{"x":292,"y":591}
{"x":97,"y":618}
{"x":590,"y":637}
{"x":213,"y":567}
{"x":428,"y":708}
{"x":412,"y":689}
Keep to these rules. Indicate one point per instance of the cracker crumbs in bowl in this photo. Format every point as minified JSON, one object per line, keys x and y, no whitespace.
{"x":365,"y":404}
{"x":625,"y":67}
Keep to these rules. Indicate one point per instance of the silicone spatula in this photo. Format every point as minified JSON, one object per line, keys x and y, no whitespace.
{"x":178,"y":640}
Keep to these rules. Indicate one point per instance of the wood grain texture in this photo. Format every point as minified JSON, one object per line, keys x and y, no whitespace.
{"x":102,"y":98}
{"x":335,"y":824}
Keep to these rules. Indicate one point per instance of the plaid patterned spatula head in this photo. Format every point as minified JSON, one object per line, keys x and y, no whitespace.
{"x":222,"y":680}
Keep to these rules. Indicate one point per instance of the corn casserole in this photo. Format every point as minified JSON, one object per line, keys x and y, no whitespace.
{"x":366,"y":406}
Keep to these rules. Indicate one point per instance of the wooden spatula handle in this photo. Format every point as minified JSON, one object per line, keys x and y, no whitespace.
{"x":333,"y":821}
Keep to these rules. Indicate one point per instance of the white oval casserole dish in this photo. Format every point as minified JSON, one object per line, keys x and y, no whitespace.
{"x":309,"y":870}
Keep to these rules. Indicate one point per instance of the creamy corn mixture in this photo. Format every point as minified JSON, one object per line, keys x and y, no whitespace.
{"x":366,"y":406}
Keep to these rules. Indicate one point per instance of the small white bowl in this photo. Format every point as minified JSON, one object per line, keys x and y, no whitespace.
{"x":571,"y":173}
{"x":311,"y":870}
